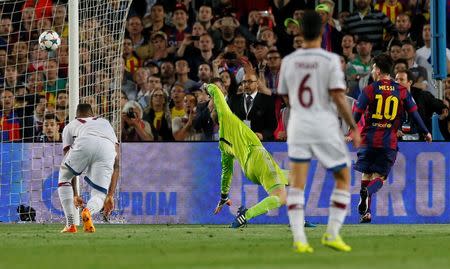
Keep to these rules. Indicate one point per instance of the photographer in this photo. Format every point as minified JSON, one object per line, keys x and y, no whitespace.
{"x":133,"y":127}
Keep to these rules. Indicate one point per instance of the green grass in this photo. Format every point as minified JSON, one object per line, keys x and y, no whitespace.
{"x":216,"y":247}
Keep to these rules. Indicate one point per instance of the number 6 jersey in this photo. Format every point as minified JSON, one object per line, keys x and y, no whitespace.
{"x":307,"y":76}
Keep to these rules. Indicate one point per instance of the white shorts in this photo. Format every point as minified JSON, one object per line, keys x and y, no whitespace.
{"x":331,"y":154}
{"x":95,"y":156}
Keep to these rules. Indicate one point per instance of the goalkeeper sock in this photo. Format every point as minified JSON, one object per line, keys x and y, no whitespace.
{"x":374,"y":185}
{"x":338,"y":210}
{"x":65,"y":193}
{"x":263,"y":207}
{"x":95,"y":204}
{"x":296,"y":213}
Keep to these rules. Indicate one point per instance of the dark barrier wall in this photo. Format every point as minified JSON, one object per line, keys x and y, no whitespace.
{"x":180,"y":183}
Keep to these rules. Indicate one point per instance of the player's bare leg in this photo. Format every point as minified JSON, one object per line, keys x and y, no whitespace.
{"x":296,"y":204}
{"x":339,"y":201}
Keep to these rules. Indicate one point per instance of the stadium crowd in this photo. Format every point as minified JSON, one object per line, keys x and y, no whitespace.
{"x":172,"y":47}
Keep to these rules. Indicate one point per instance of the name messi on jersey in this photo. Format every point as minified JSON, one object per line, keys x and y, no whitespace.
{"x":386,"y":88}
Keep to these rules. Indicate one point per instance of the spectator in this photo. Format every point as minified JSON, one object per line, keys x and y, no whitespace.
{"x":348,"y":45}
{"x":227,"y":26}
{"x":62,"y":109}
{"x":50,"y":131}
{"x":20,"y":56}
{"x":229,"y":83}
{"x":132,"y":62}
{"x":53,"y":83}
{"x":240,"y":46}
{"x":331,"y":21}
{"x":135,"y":30}
{"x":35,"y":84}
{"x":182,"y":70}
{"x":427,"y":104}
{"x":140,"y":77}
{"x":255,"y":109}
{"x":41,"y":8}
{"x":408,"y":129}
{"x":365,"y":20}
{"x":7,"y":34}
{"x":180,"y":20}
{"x":157,"y":22}
{"x":182,"y":127}
{"x":403,"y":26}
{"x":358,"y":70}
{"x":38,"y":113}
{"x":298,"y":41}
{"x":331,"y":37}
{"x":158,"y":115}
{"x":134,"y":129}
{"x":395,"y":50}
{"x":267,"y":35}
{"x":177,"y":101}
{"x":125,"y":78}
{"x":419,"y":72}
{"x":10,"y":126}
{"x":391,"y":8}
{"x":168,"y":77}
{"x":59,"y":20}
{"x":160,"y":47}
{"x":204,"y":73}
{"x":273,"y":70}
{"x":153,"y":83}
{"x":260,"y":50}
{"x":10,"y":77}
{"x":423,"y":55}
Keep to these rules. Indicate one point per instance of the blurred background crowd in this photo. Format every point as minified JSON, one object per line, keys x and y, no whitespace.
{"x":171,"y":47}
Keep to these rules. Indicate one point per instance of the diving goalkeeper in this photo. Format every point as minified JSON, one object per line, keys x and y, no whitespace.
{"x":238,"y":141}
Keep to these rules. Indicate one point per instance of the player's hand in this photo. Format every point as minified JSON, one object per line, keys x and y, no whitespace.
{"x":348,"y":138}
{"x":108,"y":205}
{"x":428,"y":137}
{"x":356,"y":138}
{"x":224,"y":200}
{"x":78,"y":201}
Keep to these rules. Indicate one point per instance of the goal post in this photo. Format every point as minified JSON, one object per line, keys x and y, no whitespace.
{"x":39,"y":92}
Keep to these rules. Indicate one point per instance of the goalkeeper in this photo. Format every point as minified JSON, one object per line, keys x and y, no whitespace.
{"x":238,"y":141}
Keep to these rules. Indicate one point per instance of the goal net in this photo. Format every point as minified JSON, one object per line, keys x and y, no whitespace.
{"x":34,"y":95}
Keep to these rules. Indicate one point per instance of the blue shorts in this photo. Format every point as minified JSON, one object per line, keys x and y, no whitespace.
{"x":375,"y":160}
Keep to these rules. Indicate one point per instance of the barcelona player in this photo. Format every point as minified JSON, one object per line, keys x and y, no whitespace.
{"x":383,"y":103}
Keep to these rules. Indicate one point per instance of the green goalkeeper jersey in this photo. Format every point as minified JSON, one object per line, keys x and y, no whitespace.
{"x":236,"y":140}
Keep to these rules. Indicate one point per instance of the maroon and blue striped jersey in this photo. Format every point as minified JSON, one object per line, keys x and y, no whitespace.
{"x":383,"y":103}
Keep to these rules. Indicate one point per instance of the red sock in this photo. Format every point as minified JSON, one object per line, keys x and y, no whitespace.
{"x":374,"y":185}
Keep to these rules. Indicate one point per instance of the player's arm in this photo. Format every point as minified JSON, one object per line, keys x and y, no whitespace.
{"x":108,"y":205}
{"x":345,"y":112}
{"x":225,"y":180}
{"x":219,"y":100}
{"x":361,"y":104}
{"x":412,"y":111}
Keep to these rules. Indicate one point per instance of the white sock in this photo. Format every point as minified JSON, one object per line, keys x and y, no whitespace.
{"x":339,"y":201}
{"x":296,"y":213}
{"x":95,"y":203}
{"x":65,"y":193}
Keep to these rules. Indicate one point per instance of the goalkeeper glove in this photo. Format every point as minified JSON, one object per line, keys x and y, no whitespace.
{"x":224,"y":200}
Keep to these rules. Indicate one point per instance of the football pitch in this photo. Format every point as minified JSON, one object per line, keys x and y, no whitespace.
{"x":215,"y":246}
